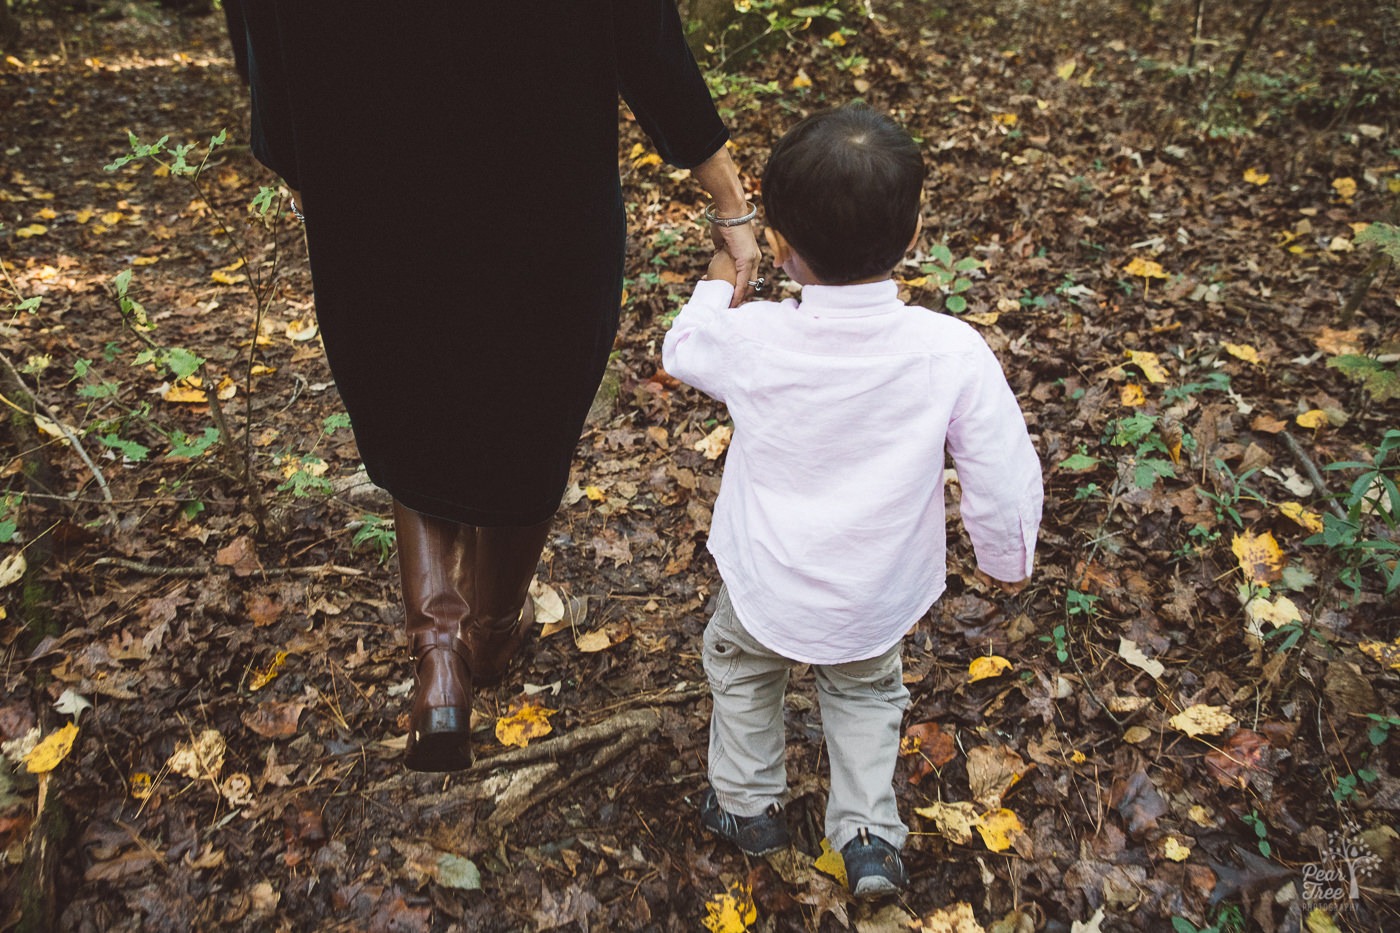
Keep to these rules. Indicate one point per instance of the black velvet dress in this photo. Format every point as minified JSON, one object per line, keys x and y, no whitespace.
{"x":458,"y":170}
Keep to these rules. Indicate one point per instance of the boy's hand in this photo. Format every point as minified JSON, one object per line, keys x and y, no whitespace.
{"x":1010,"y":588}
{"x":722,"y":268}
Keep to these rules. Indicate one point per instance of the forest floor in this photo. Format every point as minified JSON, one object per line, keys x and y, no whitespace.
{"x":1195,"y":726}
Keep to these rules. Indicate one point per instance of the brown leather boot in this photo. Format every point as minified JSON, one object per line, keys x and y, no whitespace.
{"x":505,"y":562}
{"x":437,"y":594}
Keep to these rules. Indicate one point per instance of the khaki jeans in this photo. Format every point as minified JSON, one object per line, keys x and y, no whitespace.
{"x":862,"y":705}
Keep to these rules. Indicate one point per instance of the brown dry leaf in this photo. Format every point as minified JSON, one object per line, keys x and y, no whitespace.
{"x":1202,"y":720}
{"x":201,"y":758}
{"x":601,"y":639}
{"x":1259,"y":556}
{"x":1234,"y":762}
{"x":263,"y":610}
{"x":1336,"y":342}
{"x":714,"y":444}
{"x":1139,"y":802}
{"x":992,"y":770}
{"x":1268,"y":424}
{"x":240,"y":555}
{"x":954,"y":820}
{"x":274,"y":720}
{"x":959,"y":917}
{"x":1129,"y":651}
{"x":933,"y":747}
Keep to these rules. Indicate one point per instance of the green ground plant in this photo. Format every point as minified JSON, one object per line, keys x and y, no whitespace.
{"x":1363,"y":537}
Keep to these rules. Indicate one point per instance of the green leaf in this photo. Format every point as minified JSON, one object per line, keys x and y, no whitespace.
{"x":966,"y":264}
{"x":122,"y":282}
{"x":956,"y":304}
{"x":941,"y":254}
{"x":333,"y":423}
{"x":1386,"y":237}
{"x":182,"y":362}
{"x":1079,"y":463}
{"x":128,"y":449}
{"x":29,"y":304}
{"x":9,"y":527}
{"x":182,"y":445}
{"x":1151,"y":469}
{"x":1381,"y":382}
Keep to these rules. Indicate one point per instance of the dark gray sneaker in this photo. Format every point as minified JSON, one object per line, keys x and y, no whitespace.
{"x":756,"y":835}
{"x":873,"y":867}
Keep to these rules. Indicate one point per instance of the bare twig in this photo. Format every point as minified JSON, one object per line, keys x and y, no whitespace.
{"x":200,"y":570}
{"x":1314,"y":474}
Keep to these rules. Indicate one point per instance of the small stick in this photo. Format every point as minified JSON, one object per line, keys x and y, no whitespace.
{"x":1313,"y":472}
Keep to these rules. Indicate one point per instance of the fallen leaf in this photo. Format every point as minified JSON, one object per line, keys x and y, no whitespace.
{"x":32,"y":230}
{"x":716,"y":442}
{"x":53,"y":749}
{"x":237,"y":789}
{"x":201,"y":758}
{"x":601,"y":639}
{"x":548,"y":605}
{"x":955,"y":821}
{"x":1259,"y":557}
{"x":732,"y":911}
{"x":1129,"y":651}
{"x":1345,"y":188}
{"x":801,"y":81}
{"x":1302,"y":515}
{"x":1256,"y":177}
{"x":264,"y":676}
{"x":1201,"y":719}
{"x":987,"y":666}
{"x":525,"y":724}
{"x":1233,"y":764}
{"x":932,"y":747}
{"x":1066,"y":70}
{"x":274,"y":720}
{"x":1386,"y":655}
{"x":1145,"y":268}
{"x":1243,"y":351}
{"x":1151,"y":367}
{"x":992,"y":770}
{"x":830,"y":862}
{"x":1132,"y":395}
{"x":12,"y":569}
{"x":1006,"y":119}
{"x":999,"y":828}
{"x":182,"y":393}
{"x":1277,"y":613}
{"x":1175,"y":850}
{"x":957,"y":918}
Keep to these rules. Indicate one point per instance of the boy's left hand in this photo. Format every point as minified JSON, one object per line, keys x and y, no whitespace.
{"x":722,"y":268}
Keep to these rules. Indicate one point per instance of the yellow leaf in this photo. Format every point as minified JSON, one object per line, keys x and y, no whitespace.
{"x":84,"y":215}
{"x":651,"y":158}
{"x":227,"y":389}
{"x":1174,"y":850}
{"x":1202,"y":720}
{"x":830,"y":862}
{"x":981,"y":319}
{"x":54,"y":748}
{"x":141,"y":786}
{"x":14,"y":62}
{"x":267,"y":675}
{"x":1303,"y":516}
{"x":112,"y":218}
{"x":716,"y":442}
{"x":957,"y":918}
{"x":732,"y":911}
{"x":1078,"y":757}
{"x":1149,"y":364}
{"x":225,"y":278}
{"x":801,"y":80}
{"x":601,"y":639}
{"x":527,"y":723}
{"x":1256,"y":177}
{"x":145,"y":260}
{"x":1312,"y":420}
{"x":997,"y":829}
{"x":261,"y":369}
{"x":1132,"y":395}
{"x":47,"y":213}
{"x":1243,"y":351}
{"x":1340,"y":244}
{"x":986,"y":667}
{"x":1145,"y":268}
{"x":181,"y":393}
{"x":836,"y":39}
{"x":1277,"y":614}
{"x":595,"y":494}
{"x":954,"y":820}
{"x":1260,"y":557}
{"x":918,"y":282}
{"x":1320,"y":921}
{"x":1345,"y":188}
{"x":1006,"y":119}
{"x":1387,"y":655}
{"x":1066,"y":70}
{"x":25,"y":233}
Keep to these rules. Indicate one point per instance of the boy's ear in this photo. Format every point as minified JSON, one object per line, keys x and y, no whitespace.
{"x":918,"y":230}
{"x":778,"y":246}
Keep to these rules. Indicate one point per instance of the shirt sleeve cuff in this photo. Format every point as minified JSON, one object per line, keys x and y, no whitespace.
{"x":713,"y":292}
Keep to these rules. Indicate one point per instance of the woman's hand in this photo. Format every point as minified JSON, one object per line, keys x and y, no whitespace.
{"x":720,"y":179}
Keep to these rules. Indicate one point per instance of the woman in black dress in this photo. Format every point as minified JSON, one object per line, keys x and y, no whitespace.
{"x":457,"y":167}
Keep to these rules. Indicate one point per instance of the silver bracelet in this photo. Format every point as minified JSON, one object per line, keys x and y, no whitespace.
{"x":296,"y":211}
{"x":718,"y":221}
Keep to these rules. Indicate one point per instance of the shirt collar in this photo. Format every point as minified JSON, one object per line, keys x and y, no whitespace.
{"x":851,"y":300}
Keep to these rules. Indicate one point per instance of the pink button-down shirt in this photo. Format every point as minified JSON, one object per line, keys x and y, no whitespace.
{"x":829,"y":526}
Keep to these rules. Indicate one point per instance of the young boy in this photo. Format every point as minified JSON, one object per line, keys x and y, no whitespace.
{"x":829,"y":526}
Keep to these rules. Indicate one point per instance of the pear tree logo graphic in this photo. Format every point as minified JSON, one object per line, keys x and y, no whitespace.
{"x":1346,"y":860}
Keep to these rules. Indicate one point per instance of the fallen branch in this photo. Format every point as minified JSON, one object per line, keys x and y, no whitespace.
{"x":200,"y":570}
{"x":1314,"y":474}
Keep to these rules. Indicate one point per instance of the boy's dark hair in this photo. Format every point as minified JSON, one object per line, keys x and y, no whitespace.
{"x":843,"y":187}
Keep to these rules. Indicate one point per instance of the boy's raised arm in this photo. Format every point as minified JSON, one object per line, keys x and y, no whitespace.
{"x":696,"y":350}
